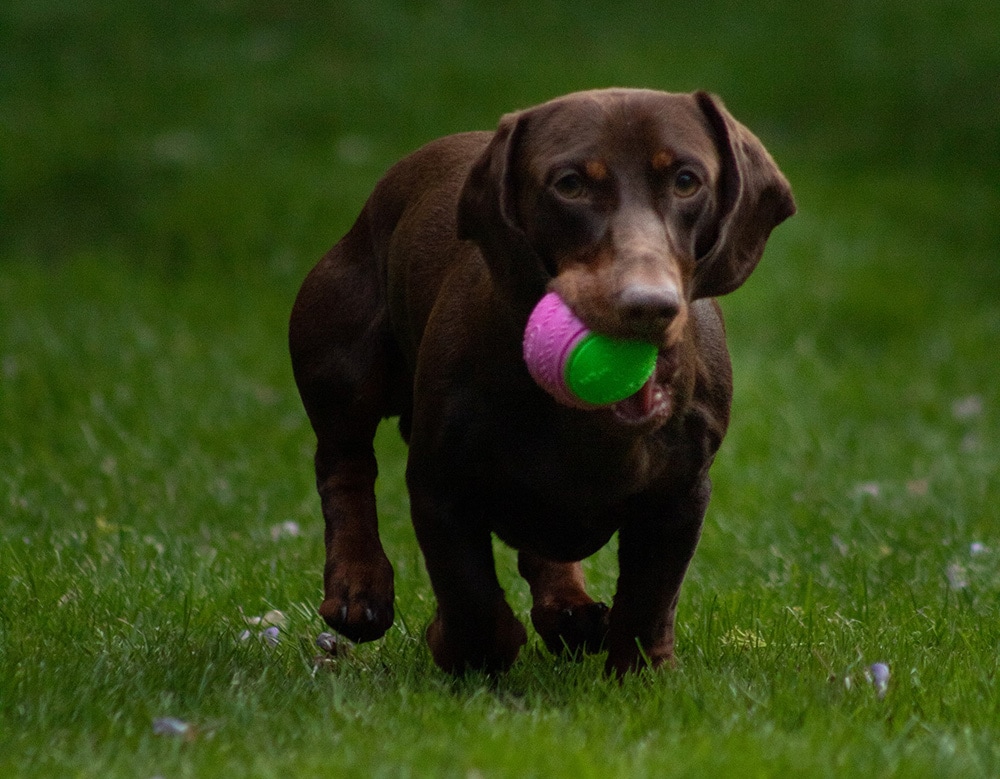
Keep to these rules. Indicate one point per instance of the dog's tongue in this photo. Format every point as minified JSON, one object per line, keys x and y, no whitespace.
{"x":639,"y":406}
{"x":650,"y":401}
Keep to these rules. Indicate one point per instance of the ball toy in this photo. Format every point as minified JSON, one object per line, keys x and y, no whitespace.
{"x":578,"y":367}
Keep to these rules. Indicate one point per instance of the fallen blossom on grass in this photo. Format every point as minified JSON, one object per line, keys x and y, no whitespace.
{"x":287,"y":529}
{"x":331,"y":648}
{"x":967,"y":408}
{"x":171,"y":726}
{"x":328,"y":643}
{"x":271,"y":636}
{"x":273,"y":617}
{"x":270,"y":626}
{"x":870,"y":489}
{"x":876,"y":674}
{"x":957,"y":576}
{"x":879,"y":675}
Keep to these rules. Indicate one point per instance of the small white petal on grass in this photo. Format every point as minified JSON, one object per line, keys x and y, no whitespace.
{"x":157,"y":546}
{"x":957,"y":576}
{"x":327,"y":642}
{"x":879,"y":675}
{"x":331,"y":649}
{"x":287,"y":529}
{"x":267,"y":628}
{"x":871,"y":489}
{"x":967,"y":408}
{"x":275,"y":618}
{"x":271,"y":636}
{"x":971,"y":443}
{"x":977,"y":548}
{"x":252,"y":620}
{"x":171,"y":726}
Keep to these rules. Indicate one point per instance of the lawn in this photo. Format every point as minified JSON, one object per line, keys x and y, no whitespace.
{"x":168,"y":174}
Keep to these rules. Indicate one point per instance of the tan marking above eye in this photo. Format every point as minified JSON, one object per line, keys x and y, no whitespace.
{"x":596,"y":170}
{"x":663,"y":159}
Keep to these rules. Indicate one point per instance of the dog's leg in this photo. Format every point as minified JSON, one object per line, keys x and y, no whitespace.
{"x":565,"y":616}
{"x":358,"y":588}
{"x":654,"y":550}
{"x":474,"y":627}
{"x":342,"y":355}
{"x":357,"y":577}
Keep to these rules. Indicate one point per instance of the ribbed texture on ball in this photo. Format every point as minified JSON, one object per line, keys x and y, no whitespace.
{"x":580,"y":368}
{"x":552,"y":332}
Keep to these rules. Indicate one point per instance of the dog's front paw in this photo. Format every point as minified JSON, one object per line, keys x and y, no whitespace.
{"x":630,"y":655}
{"x":572,"y":630}
{"x":358,"y":601}
{"x":474,"y":646}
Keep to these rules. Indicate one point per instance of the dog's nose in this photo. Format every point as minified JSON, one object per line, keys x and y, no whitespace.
{"x":643,"y":304}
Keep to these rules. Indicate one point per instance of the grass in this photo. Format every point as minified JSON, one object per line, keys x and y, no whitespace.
{"x":170,"y":173}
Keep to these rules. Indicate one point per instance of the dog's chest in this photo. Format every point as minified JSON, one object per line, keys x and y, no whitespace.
{"x":578,"y":466}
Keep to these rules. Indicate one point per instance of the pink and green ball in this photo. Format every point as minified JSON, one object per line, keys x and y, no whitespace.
{"x":578,"y":367}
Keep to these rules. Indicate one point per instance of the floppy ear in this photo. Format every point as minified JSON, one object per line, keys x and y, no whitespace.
{"x":487,"y":213}
{"x":754,"y":198}
{"x":487,"y":200}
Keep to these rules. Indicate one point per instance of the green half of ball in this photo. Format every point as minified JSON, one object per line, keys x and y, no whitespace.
{"x":603,"y":370}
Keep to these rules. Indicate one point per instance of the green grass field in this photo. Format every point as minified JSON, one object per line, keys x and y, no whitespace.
{"x":168,"y":174}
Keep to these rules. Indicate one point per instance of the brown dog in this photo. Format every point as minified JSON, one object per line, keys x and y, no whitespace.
{"x":638,"y":207}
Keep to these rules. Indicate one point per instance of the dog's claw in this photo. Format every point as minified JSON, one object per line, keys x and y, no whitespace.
{"x":358,"y":600}
{"x":358,"y":622}
{"x":367,"y":623}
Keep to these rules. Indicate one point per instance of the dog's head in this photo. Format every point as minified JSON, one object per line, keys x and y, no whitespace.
{"x":629,"y":203}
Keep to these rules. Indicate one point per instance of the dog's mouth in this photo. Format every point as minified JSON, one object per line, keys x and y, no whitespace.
{"x":653,"y":403}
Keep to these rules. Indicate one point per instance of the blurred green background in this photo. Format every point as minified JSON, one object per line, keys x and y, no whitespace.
{"x":247,"y":133}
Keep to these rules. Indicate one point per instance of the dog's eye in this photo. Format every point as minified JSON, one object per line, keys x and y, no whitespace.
{"x":686,"y":183}
{"x":570,"y":186}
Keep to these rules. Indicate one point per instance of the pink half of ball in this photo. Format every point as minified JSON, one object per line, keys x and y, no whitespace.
{"x":552,"y":333}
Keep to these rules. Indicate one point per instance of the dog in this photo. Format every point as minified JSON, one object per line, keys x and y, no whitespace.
{"x":638,"y":208}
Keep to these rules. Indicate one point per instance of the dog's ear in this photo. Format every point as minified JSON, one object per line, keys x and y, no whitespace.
{"x":487,"y":213}
{"x":754,"y":198}
{"x":487,"y":204}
